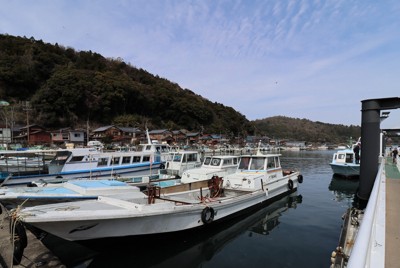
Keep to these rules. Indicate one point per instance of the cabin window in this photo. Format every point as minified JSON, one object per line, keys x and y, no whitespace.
{"x":126,"y":160}
{"x":341,"y":156}
{"x":257,"y":164}
{"x":227,"y":162}
{"x":136,"y":159}
{"x":177,"y":158}
{"x":235,"y":161}
{"x":349,"y":158}
{"x":115,"y":161}
{"x":77,"y":158}
{"x":102,"y":161}
{"x":244,"y":163}
{"x":215,"y":162}
{"x":191,"y":157}
{"x":277,"y":162}
{"x":146,"y":158}
{"x":207,"y":161}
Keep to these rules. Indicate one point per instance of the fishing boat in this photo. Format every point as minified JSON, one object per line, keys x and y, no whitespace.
{"x":91,"y":163}
{"x":346,"y":163}
{"x":259,"y":179}
{"x":40,"y":193}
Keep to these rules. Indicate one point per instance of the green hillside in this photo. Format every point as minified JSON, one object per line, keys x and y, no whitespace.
{"x":68,"y":88}
{"x":306,"y":130}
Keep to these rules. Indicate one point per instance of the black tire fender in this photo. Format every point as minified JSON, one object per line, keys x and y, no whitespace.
{"x":207,"y":215}
{"x":300,"y":178}
{"x":290,"y":184}
{"x":20,"y":242}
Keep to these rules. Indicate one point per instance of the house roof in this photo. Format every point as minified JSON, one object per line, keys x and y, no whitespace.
{"x":101,"y":129}
{"x":158,"y":131}
{"x":130,"y":129}
{"x":193,"y":134}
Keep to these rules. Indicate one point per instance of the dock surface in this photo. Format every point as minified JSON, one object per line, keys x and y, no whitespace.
{"x":392,"y":232}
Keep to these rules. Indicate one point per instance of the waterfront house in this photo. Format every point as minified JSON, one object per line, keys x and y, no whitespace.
{"x":122,"y":135}
{"x":161,"y":135}
{"x":66,"y":135}
{"x":33,"y":135}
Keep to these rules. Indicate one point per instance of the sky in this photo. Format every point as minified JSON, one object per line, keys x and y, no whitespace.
{"x":312,"y":59}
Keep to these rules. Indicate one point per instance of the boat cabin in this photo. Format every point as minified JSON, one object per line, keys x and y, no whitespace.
{"x":259,"y":163}
{"x":343,"y":157}
{"x":181,"y":161}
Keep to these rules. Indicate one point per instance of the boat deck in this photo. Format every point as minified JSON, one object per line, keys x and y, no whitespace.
{"x":392,"y":242}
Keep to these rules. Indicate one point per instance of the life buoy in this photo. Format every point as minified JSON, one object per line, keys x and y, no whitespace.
{"x":207,"y":215}
{"x":290,"y":184}
{"x":300,"y":178}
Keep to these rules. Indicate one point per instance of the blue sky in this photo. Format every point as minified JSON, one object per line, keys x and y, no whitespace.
{"x":313,"y":59}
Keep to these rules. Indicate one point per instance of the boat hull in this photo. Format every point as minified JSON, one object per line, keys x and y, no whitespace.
{"x":118,"y":218}
{"x":346,"y":170}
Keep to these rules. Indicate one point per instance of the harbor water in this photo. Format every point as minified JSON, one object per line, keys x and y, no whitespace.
{"x":300,"y":230}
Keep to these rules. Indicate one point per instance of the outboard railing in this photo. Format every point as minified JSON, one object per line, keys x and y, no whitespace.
{"x":369,"y":247}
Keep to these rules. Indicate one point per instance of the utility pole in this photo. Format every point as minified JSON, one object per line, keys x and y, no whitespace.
{"x":27,"y":109}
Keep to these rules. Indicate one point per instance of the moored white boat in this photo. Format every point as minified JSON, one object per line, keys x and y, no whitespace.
{"x":259,"y":179}
{"x":92,"y":163}
{"x":344,"y":163}
{"x":72,"y":190}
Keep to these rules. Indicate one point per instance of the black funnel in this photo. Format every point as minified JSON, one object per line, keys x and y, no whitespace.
{"x":370,"y":141}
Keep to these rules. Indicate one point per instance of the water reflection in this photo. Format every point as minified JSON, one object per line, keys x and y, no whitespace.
{"x":343,"y":188}
{"x":192,"y":248}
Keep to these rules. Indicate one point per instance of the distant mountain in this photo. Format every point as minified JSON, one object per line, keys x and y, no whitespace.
{"x":69,"y":88}
{"x":305,"y":130}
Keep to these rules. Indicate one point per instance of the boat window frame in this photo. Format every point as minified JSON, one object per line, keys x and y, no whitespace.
{"x":136,"y":159}
{"x":102,"y":161}
{"x":115,"y":160}
{"x":124,"y":160}
{"x":207,"y":161}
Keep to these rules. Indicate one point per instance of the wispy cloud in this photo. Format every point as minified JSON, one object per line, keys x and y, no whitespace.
{"x":264,"y":58}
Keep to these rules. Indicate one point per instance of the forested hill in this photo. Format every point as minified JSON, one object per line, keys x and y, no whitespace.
{"x":67,"y":88}
{"x":306,"y":130}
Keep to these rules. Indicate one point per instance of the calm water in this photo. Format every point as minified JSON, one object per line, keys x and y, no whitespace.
{"x":300,"y":230}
